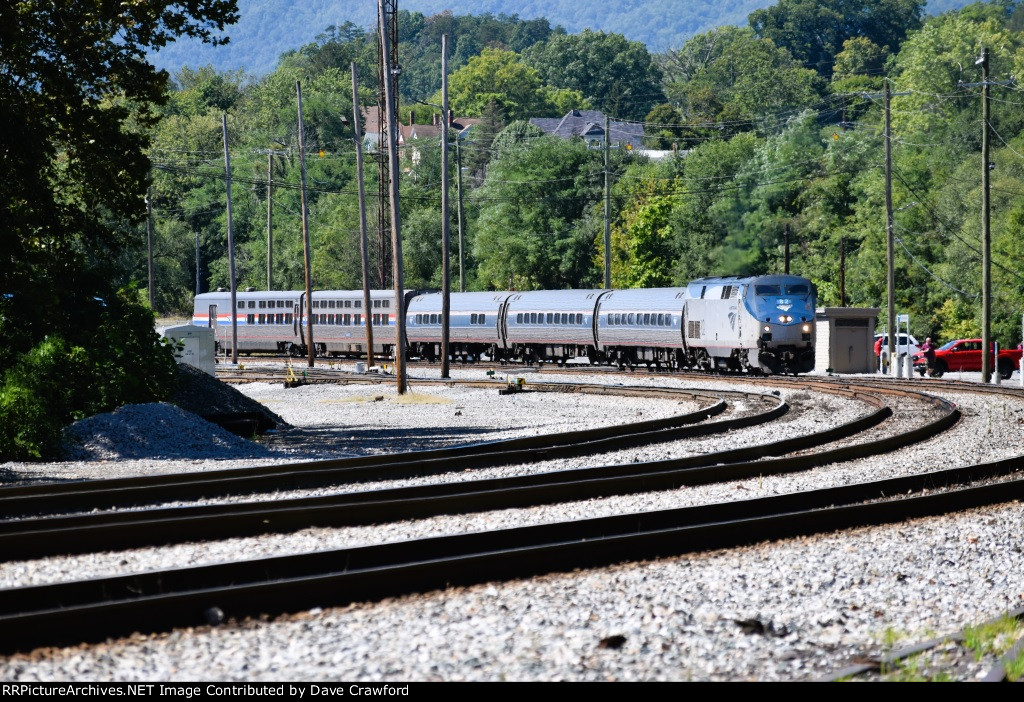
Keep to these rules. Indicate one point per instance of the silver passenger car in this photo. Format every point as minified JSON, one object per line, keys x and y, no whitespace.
{"x":475,"y":325}
{"x":267,"y":320}
{"x":551,"y":324}
{"x":340,"y":321}
{"x":642,"y":326}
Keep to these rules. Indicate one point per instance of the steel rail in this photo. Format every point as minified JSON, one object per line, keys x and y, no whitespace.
{"x":34,"y":538}
{"x":92,"y":494}
{"x":91,"y":610}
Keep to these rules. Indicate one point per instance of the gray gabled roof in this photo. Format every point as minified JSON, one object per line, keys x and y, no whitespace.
{"x":591,"y":123}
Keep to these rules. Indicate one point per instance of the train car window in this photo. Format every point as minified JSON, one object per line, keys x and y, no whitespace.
{"x":250,"y":319}
{"x":241,"y":304}
{"x":263,"y":304}
{"x":629,"y":318}
{"x":482,"y":319}
{"x":359,"y":304}
{"x":262,"y":319}
{"x":376,"y":303}
{"x":323,"y":319}
{"x":252,"y":304}
{"x":332,"y":304}
{"x":288,"y":318}
{"x":519,"y":318}
{"x":419,"y":319}
{"x":549,"y":318}
{"x":647,"y":317}
{"x":767,"y":290}
{"x":387,"y":303}
{"x":280,"y":318}
{"x":358,"y":319}
{"x":797,"y":289}
{"x":579,"y":318}
{"x":533,"y":318}
{"x":472,"y":318}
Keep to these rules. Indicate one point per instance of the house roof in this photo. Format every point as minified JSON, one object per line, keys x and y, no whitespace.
{"x":590,"y":123}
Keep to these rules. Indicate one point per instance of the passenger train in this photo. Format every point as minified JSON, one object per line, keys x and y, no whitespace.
{"x":762,"y":324}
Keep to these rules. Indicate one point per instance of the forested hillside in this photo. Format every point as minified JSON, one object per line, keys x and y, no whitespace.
{"x":777,"y":120}
{"x":269,"y":28}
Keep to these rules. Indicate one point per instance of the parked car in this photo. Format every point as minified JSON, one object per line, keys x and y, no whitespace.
{"x":965,"y":355}
{"x":905,"y":344}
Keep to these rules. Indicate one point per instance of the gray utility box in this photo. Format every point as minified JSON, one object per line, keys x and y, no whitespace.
{"x":199,"y":348}
{"x":845,"y":339}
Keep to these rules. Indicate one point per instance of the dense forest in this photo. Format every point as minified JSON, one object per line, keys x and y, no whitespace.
{"x":777,"y":124}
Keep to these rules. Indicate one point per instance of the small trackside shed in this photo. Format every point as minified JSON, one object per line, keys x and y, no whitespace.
{"x":844,"y":339}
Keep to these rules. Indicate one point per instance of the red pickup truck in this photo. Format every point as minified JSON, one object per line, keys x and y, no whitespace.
{"x":965,"y":355}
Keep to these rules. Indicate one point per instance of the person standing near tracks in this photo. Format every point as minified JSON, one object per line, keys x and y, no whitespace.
{"x":928,"y":349}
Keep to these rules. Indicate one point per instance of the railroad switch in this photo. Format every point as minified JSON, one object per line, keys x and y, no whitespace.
{"x":512,"y":388}
{"x":293,"y":381}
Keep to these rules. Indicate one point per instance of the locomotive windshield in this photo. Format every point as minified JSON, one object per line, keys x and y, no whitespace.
{"x":770,"y":289}
{"x":800,"y":289}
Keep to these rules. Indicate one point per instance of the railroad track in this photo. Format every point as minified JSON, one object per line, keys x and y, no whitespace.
{"x":52,"y":498}
{"x":91,"y":610}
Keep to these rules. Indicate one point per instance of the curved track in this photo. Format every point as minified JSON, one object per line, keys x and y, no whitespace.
{"x":91,"y":610}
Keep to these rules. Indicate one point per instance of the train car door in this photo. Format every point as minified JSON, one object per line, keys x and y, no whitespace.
{"x":212,"y":321}
{"x":502,"y":322}
{"x":300,"y":311}
{"x":597,"y":313}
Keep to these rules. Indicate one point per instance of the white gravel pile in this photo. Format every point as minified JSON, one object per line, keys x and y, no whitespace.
{"x":153,"y":430}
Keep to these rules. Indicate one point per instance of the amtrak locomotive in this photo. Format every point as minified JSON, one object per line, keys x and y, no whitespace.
{"x":761,"y":324}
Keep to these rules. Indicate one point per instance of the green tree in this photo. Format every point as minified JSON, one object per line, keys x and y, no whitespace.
{"x":616,"y":75}
{"x":814,"y":30}
{"x":499,"y":77}
{"x":534,"y":196}
{"x":663,"y":126}
{"x":729,"y":75}
{"x":76,"y":104}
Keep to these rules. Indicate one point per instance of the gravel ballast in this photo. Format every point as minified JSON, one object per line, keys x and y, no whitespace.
{"x":796,"y":609}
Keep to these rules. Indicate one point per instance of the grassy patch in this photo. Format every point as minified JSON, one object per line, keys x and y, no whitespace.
{"x":994,"y":638}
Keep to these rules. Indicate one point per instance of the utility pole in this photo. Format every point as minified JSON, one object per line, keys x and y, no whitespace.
{"x":362,"y":217}
{"x":310,"y":347}
{"x":387,"y":16}
{"x":446,"y":289}
{"x":458,"y":187}
{"x":986,"y":235}
{"x":842,"y":272}
{"x":199,"y":287}
{"x":607,"y":210}
{"x":231,"y":244}
{"x":785,"y":258}
{"x":890,"y":235}
{"x":390,"y":99}
{"x":270,"y":221}
{"x":149,"y":246}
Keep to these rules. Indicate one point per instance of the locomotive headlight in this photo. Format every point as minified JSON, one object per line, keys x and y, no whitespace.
{"x":807,"y":328}
{"x":767,"y":328}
